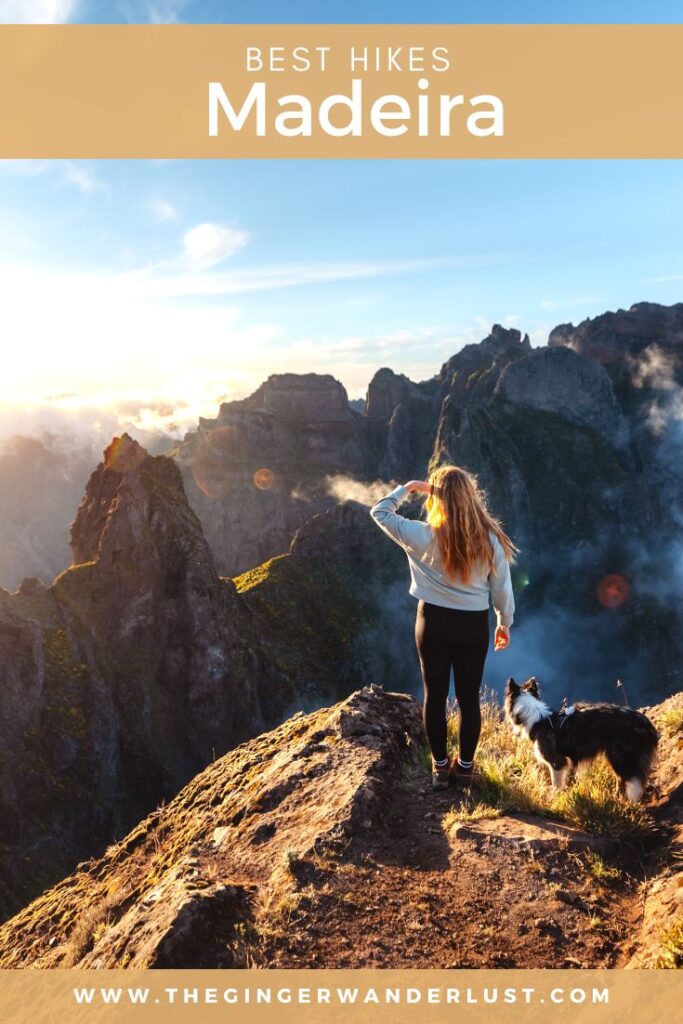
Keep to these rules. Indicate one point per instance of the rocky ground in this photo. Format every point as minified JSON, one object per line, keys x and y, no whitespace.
{"x":321,"y":844}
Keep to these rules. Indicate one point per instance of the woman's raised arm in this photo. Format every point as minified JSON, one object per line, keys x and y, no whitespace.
{"x":409,"y":533}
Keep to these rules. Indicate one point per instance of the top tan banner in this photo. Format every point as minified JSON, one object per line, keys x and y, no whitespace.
{"x":474,"y":91}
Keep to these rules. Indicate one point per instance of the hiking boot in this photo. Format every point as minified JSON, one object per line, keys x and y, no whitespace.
{"x":462,"y":777}
{"x":441,"y":776}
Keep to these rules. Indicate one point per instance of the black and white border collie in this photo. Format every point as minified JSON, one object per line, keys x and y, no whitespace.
{"x":565,"y":740}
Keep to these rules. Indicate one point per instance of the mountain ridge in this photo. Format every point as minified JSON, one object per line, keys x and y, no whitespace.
{"x":139,"y":664}
{"x":319,"y":845}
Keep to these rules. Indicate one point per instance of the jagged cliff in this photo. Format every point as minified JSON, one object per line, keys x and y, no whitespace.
{"x":578,"y":444}
{"x":258,"y":471}
{"x":320,"y":845}
{"x":140,"y":664}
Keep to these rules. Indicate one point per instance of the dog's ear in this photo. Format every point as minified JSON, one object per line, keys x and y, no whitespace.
{"x":531,"y":686}
{"x":513,"y":688}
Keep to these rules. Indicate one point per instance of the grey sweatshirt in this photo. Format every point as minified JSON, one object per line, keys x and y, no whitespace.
{"x":428,"y":579}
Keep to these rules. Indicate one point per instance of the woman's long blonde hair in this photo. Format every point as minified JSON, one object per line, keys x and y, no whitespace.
{"x":456,"y":510}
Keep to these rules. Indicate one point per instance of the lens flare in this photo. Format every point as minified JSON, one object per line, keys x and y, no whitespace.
{"x":210,"y":462}
{"x":264,"y":479}
{"x":613,"y":591}
{"x":205,"y":472}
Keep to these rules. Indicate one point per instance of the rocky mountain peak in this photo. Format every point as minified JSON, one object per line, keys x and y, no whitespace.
{"x":560,"y":380}
{"x":123,"y":454}
{"x":134,"y":501}
{"x":625,"y":333}
{"x":507,"y":336}
{"x":386,"y":391}
{"x":301,"y":397}
{"x":342,"y":535}
{"x":470,"y":376}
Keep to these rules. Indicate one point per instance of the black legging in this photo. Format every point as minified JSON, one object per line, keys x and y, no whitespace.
{"x":448,"y":638}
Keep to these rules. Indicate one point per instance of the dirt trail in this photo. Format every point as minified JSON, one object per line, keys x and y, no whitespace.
{"x":413,"y":893}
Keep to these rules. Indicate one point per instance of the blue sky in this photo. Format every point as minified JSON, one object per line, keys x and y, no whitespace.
{"x":352,"y":11}
{"x":158,"y":287}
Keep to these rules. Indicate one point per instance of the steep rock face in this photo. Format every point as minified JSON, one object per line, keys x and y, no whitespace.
{"x":140,"y":664}
{"x":558,"y":380}
{"x":260,"y":469}
{"x":400,"y":417}
{"x":117,"y":678}
{"x":145,"y":586}
{"x":470,"y":376}
{"x":611,"y":337}
{"x":386,"y":390}
{"x":332,"y":612}
{"x":319,"y":845}
{"x":253,"y":815}
{"x":580,"y":452}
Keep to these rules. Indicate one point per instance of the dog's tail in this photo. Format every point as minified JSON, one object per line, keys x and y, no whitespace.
{"x":645,"y":758}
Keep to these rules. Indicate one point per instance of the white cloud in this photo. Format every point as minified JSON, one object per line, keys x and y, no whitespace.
{"x":63,"y":172}
{"x":165,"y":13}
{"x":655,"y":368}
{"x":164,"y":281}
{"x":662,"y":280}
{"x":25,"y":168}
{"x":162,"y":210}
{"x":83,"y":178}
{"x":209,"y":244}
{"x":158,"y":12}
{"x":345,"y":488}
{"x":36,"y":12}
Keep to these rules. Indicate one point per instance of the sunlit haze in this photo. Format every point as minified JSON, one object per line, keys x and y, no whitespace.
{"x":155,"y":289}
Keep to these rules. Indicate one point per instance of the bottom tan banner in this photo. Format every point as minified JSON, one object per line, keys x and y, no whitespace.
{"x":336,"y":996}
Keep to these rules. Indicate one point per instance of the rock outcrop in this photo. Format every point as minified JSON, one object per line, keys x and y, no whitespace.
{"x":117,"y":677}
{"x":558,"y":380}
{"x":471,"y":375}
{"x":139,"y":664}
{"x":612,"y":337}
{"x":239,"y":833}
{"x":260,"y":469}
{"x":319,"y":845}
{"x":659,"y":939}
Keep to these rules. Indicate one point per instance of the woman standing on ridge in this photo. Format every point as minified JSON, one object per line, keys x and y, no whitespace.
{"x":457,"y":558}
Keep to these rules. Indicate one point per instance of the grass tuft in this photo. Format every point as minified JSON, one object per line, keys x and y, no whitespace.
{"x":470,"y":811}
{"x":292,"y":861}
{"x":599,"y":870}
{"x":671,"y":952}
{"x":671,"y":722}
{"x":511,"y":780}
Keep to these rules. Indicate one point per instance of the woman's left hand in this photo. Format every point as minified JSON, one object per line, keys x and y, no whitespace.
{"x":501,"y":639}
{"x":420,"y":486}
